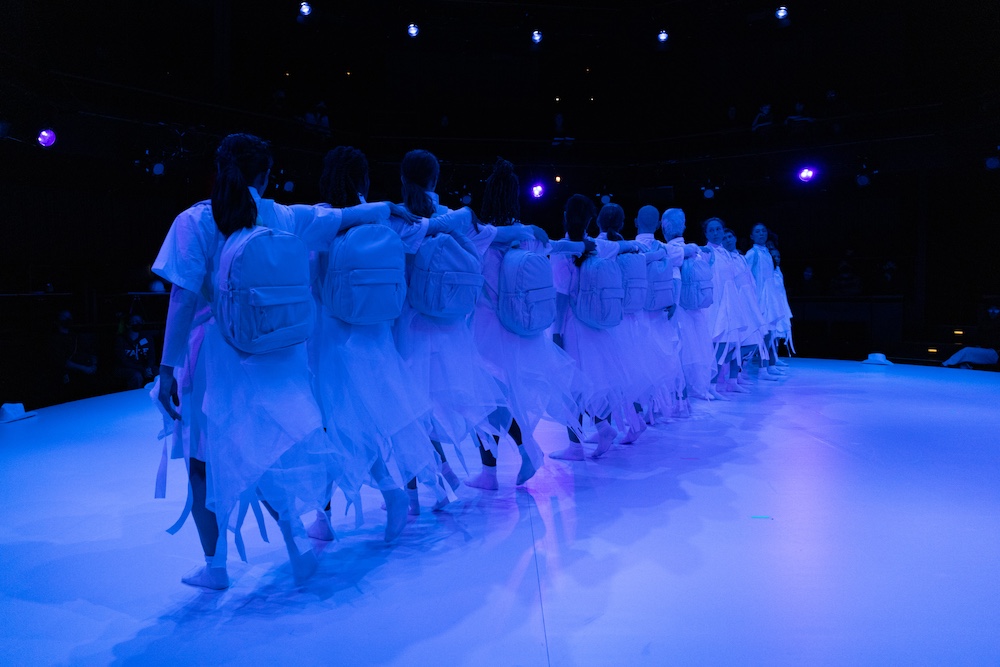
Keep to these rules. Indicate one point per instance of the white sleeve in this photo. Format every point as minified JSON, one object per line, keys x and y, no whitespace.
{"x":606,"y":249}
{"x":185,"y":254}
{"x":317,"y":226}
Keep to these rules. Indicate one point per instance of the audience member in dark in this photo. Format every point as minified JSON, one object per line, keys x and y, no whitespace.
{"x":73,"y":366}
{"x":134,"y":354}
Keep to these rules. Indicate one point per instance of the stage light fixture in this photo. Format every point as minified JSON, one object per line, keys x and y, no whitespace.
{"x":412,"y":30}
{"x":806,"y":174}
{"x":47,"y":138}
{"x":158,"y":169}
{"x":781,"y":13}
{"x":537,"y":190}
{"x":708,"y":192}
{"x":663,"y":36}
{"x":536,"y":36}
{"x":305,"y":9}
{"x":558,"y":179}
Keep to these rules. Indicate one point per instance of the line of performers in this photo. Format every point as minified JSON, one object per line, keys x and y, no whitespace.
{"x":316,"y":349}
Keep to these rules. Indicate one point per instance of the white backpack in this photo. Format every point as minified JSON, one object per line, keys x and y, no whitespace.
{"x":365,"y":280}
{"x":660,"y":277}
{"x":263,"y":302}
{"x":526,"y":301}
{"x":696,"y":283}
{"x":634,"y":282}
{"x":599,"y":301}
{"x":446,"y":278}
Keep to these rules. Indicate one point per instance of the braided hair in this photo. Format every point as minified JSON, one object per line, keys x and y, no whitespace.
{"x":577,"y":216}
{"x":345,"y":177}
{"x":500,"y":200}
{"x":239,"y":160}
{"x":419,"y":171}
{"x":611,"y":219}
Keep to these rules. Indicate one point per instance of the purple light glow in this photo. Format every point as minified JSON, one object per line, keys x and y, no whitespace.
{"x":46,"y":138}
{"x":536,"y":36}
{"x":305,"y":9}
{"x":412,"y":30}
{"x":807,"y":174}
{"x":537,"y":190}
{"x":663,"y":36}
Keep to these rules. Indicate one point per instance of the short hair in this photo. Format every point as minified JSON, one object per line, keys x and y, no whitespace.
{"x":647,"y":219}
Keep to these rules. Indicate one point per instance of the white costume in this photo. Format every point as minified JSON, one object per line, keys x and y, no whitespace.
{"x":536,"y":375}
{"x":602,"y":385}
{"x":251,"y":418}
{"x":444,"y":361}
{"x":660,"y":339}
{"x":727,"y":320}
{"x":359,"y":372}
{"x":696,"y":351}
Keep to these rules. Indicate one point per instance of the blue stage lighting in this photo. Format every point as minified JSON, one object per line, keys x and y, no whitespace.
{"x":536,"y":36}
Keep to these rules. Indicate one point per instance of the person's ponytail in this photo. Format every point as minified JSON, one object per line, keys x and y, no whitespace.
{"x":239,"y":159}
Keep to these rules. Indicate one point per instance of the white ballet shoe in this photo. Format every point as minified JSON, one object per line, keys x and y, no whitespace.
{"x":607,"y":433}
{"x":396,"y":503}
{"x":449,"y":475}
{"x":572,"y":453}
{"x":765,"y":375}
{"x":212,"y":578}
{"x":486,"y":480}
{"x":320,"y":529}
{"x":779,"y":362}
{"x":414,"y":499}
{"x":745,"y":379}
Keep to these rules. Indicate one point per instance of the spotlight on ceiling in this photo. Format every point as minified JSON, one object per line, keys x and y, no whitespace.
{"x":663,"y":36}
{"x":806,"y":174}
{"x":537,"y":190}
{"x":47,"y":138}
{"x":412,"y":30}
{"x":536,"y":36}
{"x":305,"y":9}
{"x":781,"y":13}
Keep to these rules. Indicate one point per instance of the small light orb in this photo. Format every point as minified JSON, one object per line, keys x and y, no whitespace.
{"x":708,"y":193}
{"x":537,"y":191}
{"x":412,"y":30}
{"x":289,"y":186}
{"x":536,"y":36}
{"x":663,"y":36}
{"x":46,"y":138}
{"x":558,"y":179}
{"x":158,"y":169}
{"x":781,"y":13}
{"x":806,"y":174}
{"x":305,"y":9}
{"x":993,"y":163}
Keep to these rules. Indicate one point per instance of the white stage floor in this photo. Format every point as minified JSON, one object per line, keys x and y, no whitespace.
{"x":846,"y":515}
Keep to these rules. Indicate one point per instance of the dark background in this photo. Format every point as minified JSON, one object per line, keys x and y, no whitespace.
{"x":907,"y":90}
